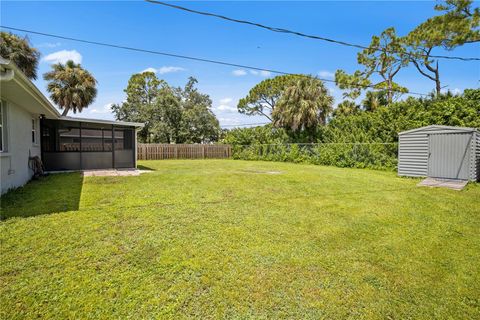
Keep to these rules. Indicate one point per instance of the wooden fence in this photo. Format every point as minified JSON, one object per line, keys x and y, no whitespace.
{"x":150,"y":151}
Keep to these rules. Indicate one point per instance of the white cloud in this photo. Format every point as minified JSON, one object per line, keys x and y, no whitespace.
{"x":224,"y":107}
{"x":164,"y":69}
{"x":262,"y":73}
{"x":63,"y":56}
{"x":239,"y":72}
{"x":150,"y":70}
{"x":228,"y":121}
{"x":242,"y":72}
{"x":456,"y":91}
{"x":226,"y":100}
{"x":326,"y":74}
{"x":48,"y":45}
{"x":106,"y":109}
{"x":170,"y":69}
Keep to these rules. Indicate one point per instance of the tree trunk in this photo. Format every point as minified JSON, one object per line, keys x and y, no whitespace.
{"x":437,"y":81}
{"x":65,"y":111}
{"x":389,"y":91}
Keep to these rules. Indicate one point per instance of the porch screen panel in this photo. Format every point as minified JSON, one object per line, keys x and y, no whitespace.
{"x":92,"y":140}
{"x":124,"y":151}
{"x":69,"y":139}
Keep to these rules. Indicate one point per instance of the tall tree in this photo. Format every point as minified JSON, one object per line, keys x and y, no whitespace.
{"x":384,"y":57}
{"x":166,"y":116}
{"x":171,"y":115}
{"x":142,"y":91}
{"x":262,"y":98}
{"x":199,"y":123}
{"x":20,"y":51}
{"x":458,"y":25}
{"x":303,"y":106}
{"x":71,"y":87}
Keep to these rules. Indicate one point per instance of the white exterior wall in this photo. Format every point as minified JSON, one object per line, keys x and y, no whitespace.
{"x":14,"y":161}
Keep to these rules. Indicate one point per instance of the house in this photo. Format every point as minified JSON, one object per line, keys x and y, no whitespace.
{"x":31,"y":126}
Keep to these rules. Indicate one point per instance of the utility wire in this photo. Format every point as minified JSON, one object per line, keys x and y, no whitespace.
{"x":281,"y":30}
{"x":191,"y":58}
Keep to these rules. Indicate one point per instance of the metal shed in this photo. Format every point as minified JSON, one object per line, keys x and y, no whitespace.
{"x":440,"y":152}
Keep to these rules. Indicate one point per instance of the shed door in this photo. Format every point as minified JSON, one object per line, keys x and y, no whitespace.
{"x":449,"y":155}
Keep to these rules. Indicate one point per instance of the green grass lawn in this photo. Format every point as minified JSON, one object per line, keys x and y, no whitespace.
{"x":236,"y":239}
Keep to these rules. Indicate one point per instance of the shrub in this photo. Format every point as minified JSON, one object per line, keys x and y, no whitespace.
{"x":361,"y":140}
{"x":356,"y":155}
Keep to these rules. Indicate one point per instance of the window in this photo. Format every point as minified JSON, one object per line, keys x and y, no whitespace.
{"x":34,"y":132}
{"x":3,"y":127}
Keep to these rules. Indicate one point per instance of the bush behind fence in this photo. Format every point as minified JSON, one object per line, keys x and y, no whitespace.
{"x":354,"y":155}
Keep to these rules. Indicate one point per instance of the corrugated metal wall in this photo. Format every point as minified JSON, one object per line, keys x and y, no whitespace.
{"x":413,"y":152}
{"x":476,"y":168}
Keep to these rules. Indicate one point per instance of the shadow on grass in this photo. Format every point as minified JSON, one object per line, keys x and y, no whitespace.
{"x":51,"y":194}
{"x":141,"y":167}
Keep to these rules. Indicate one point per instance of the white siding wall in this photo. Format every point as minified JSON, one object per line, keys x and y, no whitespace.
{"x":14,"y":161}
{"x":413,"y":155}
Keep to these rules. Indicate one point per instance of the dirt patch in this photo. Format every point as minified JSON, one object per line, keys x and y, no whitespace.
{"x":262,"y":172}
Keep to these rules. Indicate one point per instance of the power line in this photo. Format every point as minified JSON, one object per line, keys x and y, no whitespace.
{"x":281,"y":30}
{"x":190,"y":58}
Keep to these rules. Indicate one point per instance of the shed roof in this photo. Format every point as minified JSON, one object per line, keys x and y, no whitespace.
{"x":439,"y":127}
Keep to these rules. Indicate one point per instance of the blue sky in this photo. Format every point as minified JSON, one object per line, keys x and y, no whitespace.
{"x":148,"y":26}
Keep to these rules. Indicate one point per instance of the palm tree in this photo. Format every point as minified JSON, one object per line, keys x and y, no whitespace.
{"x":18,"y":50}
{"x":374,"y":100}
{"x":71,"y":87}
{"x":303,"y":106}
{"x":346,"y":108}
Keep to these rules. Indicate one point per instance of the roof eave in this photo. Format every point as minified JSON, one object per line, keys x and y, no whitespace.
{"x":118,"y":123}
{"x":22,"y":80}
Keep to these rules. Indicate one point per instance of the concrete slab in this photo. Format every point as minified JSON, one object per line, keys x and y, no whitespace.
{"x":443,"y":183}
{"x":113,"y":172}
